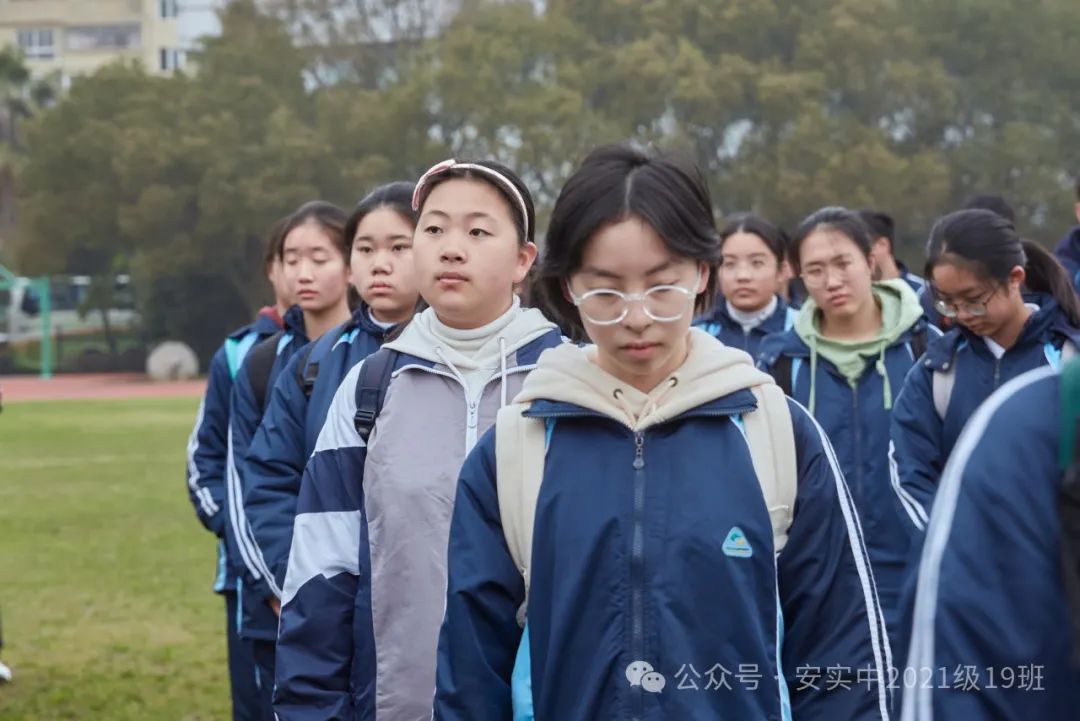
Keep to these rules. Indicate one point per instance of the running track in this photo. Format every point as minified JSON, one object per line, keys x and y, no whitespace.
{"x":86,"y":387}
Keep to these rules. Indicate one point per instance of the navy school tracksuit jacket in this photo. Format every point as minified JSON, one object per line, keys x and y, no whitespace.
{"x":915,"y":282}
{"x":857,"y":421}
{"x":655,"y":591}
{"x":1068,"y":252}
{"x":284,"y":441}
{"x":727,"y":330}
{"x":922,"y":440}
{"x":245,"y":419}
{"x":992,"y":630}
{"x":207,"y":451}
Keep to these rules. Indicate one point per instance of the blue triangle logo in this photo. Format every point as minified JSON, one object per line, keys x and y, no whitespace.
{"x":736,"y":544}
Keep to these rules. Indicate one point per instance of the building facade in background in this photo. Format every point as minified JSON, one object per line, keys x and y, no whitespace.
{"x":74,"y":37}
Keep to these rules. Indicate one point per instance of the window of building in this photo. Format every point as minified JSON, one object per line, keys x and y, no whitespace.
{"x":170,"y":8}
{"x":37,"y":43}
{"x":103,"y":37}
{"x":170,"y":59}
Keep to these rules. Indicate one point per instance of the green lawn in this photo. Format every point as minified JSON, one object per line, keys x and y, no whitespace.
{"x":105,"y":572}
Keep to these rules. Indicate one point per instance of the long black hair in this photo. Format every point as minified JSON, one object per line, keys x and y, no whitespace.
{"x":275,"y":242}
{"x":840,"y":220}
{"x":524,"y":224}
{"x":988,"y":245}
{"x":616,"y":182}
{"x":773,"y":236}
{"x":330,"y":218}
{"x":395,"y":196}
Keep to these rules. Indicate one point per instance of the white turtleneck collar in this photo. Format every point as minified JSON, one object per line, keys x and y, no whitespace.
{"x":468,"y":341}
{"x":752,"y":319}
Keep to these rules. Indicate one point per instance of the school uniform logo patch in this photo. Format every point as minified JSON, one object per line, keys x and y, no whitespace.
{"x":736,"y":544}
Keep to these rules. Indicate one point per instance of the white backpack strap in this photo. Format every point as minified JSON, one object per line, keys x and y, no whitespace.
{"x":771,"y":438}
{"x":943,"y":382}
{"x":1068,"y":352}
{"x":519,"y":470}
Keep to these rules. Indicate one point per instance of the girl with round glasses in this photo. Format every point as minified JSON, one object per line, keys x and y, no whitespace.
{"x":853,"y":343}
{"x":1014,"y":309}
{"x":751,"y":273}
{"x":654,"y":566}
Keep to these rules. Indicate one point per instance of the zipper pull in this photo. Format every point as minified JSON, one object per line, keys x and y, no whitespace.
{"x":639,"y":450}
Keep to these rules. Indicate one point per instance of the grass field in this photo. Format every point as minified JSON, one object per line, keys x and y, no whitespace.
{"x":105,"y":573}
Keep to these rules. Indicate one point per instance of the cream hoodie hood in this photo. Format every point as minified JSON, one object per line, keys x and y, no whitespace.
{"x":569,"y":374}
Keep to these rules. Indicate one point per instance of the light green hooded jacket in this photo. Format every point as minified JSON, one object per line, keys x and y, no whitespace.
{"x":900,"y":309}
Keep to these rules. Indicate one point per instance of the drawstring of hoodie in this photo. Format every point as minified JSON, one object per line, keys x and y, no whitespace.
{"x":657,"y":396}
{"x":653,"y":401}
{"x":879,"y":366}
{"x":617,"y":394}
{"x":453,"y":368}
{"x":884,"y":373}
{"x":502,"y":374}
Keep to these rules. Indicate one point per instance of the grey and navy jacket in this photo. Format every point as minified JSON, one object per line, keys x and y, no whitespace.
{"x":922,"y":439}
{"x":365,"y":590}
{"x":244,"y":419}
{"x":728,"y":331}
{"x":207,"y":450}
{"x":656,"y":591}
{"x":271,"y":472}
{"x":991,"y":635}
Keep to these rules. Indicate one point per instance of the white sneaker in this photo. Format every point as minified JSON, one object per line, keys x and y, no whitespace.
{"x":5,"y":672}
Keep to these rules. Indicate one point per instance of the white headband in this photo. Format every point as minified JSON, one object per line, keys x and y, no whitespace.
{"x":502,"y":181}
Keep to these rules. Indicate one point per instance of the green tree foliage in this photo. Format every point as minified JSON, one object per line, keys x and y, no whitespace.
{"x":788,"y":105}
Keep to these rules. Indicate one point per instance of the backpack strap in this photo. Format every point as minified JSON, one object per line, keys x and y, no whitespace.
{"x":1069,"y":498}
{"x":374,"y":379}
{"x":942,"y":383}
{"x":771,"y":438}
{"x":520,"y":446}
{"x":306,"y":372}
{"x":1068,"y":352}
{"x":260,"y":362}
{"x":781,"y":373}
{"x":919,"y":342}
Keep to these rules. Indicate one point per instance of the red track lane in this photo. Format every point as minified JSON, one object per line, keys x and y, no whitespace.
{"x":98,"y":386}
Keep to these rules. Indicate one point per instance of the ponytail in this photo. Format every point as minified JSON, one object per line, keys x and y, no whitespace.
{"x":1044,"y":274}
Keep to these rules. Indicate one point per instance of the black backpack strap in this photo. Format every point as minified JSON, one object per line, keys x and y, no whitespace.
{"x":781,"y":373}
{"x":1069,"y":500}
{"x":920,"y":339}
{"x":259,"y":363}
{"x":371,"y":388}
{"x":306,"y":371}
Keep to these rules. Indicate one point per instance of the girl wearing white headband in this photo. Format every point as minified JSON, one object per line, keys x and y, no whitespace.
{"x":364,"y":595}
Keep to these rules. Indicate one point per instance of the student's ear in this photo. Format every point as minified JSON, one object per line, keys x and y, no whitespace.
{"x":705,"y":271}
{"x":873,"y":262}
{"x":786,"y":272}
{"x":1017,"y":276}
{"x":1077,"y":209}
{"x":526,"y":257}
